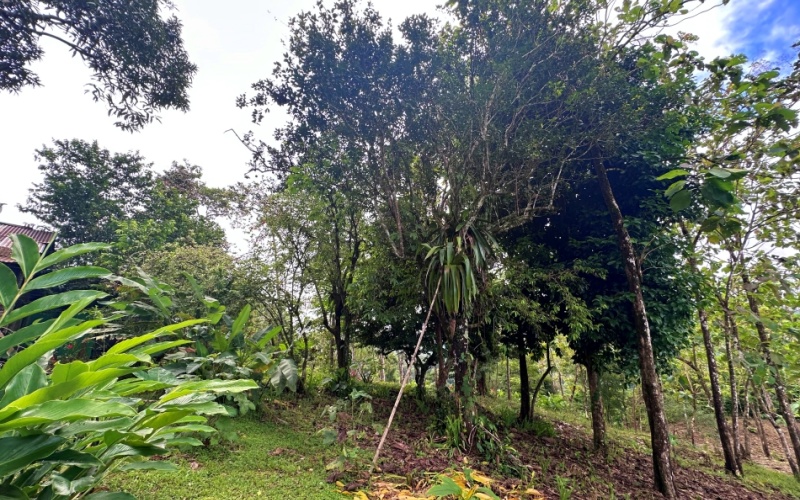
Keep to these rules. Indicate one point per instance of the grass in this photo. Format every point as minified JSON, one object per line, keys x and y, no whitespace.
{"x":762,"y":478}
{"x":270,"y":460}
{"x":279,"y":455}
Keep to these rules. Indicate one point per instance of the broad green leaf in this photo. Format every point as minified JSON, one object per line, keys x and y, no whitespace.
{"x":62,"y":276}
{"x":115,"y":361}
{"x":215,"y":386}
{"x":161,"y":420}
{"x":67,"y":411}
{"x":70,"y":252}
{"x":18,"y":452}
{"x":25,"y":252}
{"x":9,"y":492}
{"x":674,"y":188}
{"x":678,"y":172}
{"x":159,"y":347}
{"x":63,"y":372}
{"x":126,"y":345}
{"x":718,"y":192}
{"x":24,"y":335}
{"x":149,"y":465}
{"x":132,"y":450}
{"x":74,"y":457}
{"x":45,"y":344}
{"x":445,"y":488}
{"x":681,"y":200}
{"x":63,"y":390}
{"x":241,"y":320}
{"x":31,"y":378}
{"x":8,"y":285}
{"x":95,"y":426}
{"x":267,"y":336}
{"x":719,"y":172}
{"x":50,"y":302}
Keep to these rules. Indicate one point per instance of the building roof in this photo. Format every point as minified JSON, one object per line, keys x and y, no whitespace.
{"x":42,"y":237}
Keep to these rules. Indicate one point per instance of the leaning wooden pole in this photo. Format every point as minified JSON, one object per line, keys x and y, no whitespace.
{"x":405,"y":379}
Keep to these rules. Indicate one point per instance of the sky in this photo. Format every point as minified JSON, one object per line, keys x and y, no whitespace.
{"x":238,"y":44}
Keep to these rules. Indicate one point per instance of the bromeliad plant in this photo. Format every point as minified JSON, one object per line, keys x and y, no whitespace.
{"x":64,"y":426}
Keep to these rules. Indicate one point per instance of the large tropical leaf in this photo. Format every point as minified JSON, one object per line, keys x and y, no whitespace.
{"x":63,"y":390}
{"x":70,"y":252}
{"x":18,"y":452}
{"x":74,"y":458}
{"x":24,"y":335}
{"x":215,"y":386}
{"x":8,"y":285}
{"x":50,"y":302}
{"x":128,"y":344}
{"x":67,"y":411}
{"x":25,"y":252}
{"x":45,"y":344}
{"x":62,"y":276}
{"x":31,"y":378}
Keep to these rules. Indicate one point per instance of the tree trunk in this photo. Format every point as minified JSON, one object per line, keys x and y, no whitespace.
{"x":541,"y":381}
{"x":463,"y":380}
{"x":480,"y":381}
{"x":420,"y":372}
{"x":762,"y":435}
{"x":734,"y":352}
{"x":441,"y":379}
{"x":770,"y":412}
{"x":524,"y":381}
{"x":731,"y":463}
{"x":598,"y":412}
{"x":784,"y":408}
{"x":508,"y":378}
{"x":651,"y":385}
{"x":746,"y":450}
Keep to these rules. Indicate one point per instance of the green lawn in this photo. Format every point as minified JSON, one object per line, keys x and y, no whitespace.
{"x":271,"y":460}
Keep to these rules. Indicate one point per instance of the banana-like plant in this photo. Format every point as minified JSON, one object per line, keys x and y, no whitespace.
{"x":64,"y":426}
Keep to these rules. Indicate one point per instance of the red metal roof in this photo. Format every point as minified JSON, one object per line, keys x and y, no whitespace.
{"x":41,"y":236}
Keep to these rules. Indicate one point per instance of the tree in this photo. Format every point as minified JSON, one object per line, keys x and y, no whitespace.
{"x":134,"y":50}
{"x":90,"y":194}
{"x":86,"y":189}
{"x":739,"y":190}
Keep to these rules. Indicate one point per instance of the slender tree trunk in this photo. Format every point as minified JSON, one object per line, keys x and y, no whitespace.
{"x":762,"y":435}
{"x":463,"y":380}
{"x":574,"y":383}
{"x":770,"y":412}
{"x":598,"y":412}
{"x":508,"y":378}
{"x":651,"y":385}
{"x":541,"y":381}
{"x":441,"y":379}
{"x":728,"y":452}
{"x":524,"y":381}
{"x":746,"y":450}
{"x":784,"y":408}
{"x":737,"y":445}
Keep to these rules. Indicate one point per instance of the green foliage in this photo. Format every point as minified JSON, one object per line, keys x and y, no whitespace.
{"x":62,"y":430}
{"x":138,"y":68}
{"x":463,"y":486}
{"x":91,"y":194}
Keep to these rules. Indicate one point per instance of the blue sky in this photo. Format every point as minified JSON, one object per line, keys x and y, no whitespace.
{"x":765,"y":29}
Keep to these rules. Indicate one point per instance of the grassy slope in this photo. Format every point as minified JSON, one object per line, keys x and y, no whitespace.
{"x":283,"y":457}
{"x":269,"y":461}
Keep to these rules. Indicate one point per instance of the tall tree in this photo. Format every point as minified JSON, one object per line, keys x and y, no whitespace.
{"x":134,"y":48}
{"x":86,"y":189}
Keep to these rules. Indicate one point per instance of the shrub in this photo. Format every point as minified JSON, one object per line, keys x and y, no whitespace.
{"x":62,"y":428}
